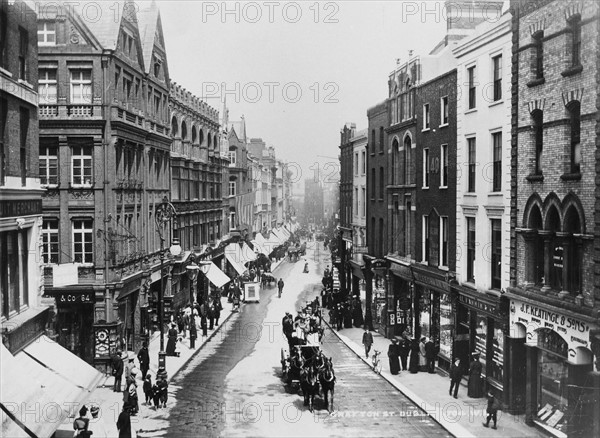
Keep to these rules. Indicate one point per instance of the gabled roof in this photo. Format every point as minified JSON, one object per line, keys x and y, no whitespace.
{"x":150,"y":28}
{"x":106,"y":29}
{"x":240,"y":130}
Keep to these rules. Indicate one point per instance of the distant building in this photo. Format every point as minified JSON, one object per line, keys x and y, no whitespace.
{"x":314,"y":213}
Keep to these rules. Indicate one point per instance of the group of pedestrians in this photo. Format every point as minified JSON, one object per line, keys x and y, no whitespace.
{"x":409,"y":354}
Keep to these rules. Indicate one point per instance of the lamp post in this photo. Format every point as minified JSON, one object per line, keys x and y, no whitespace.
{"x":192,"y":271}
{"x":163,"y":213}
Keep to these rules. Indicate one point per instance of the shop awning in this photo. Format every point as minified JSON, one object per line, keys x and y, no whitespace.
{"x":247,"y":253}
{"x":43,"y":375}
{"x":216,"y":276}
{"x":231,"y":258}
{"x":279,"y":234}
{"x":259,"y":239}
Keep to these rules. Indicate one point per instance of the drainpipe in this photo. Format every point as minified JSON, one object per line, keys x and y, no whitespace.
{"x":107,"y":216}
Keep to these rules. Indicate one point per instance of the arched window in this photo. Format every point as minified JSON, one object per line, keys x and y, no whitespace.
{"x":573,"y":251}
{"x":183,"y":130}
{"x":574,"y":108}
{"x":535,"y":253}
{"x":194,"y":135}
{"x":556,"y":254}
{"x":215,"y":142}
{"x":395,"y":169}
{"x":209,"y":141}
{"x":201,"y":139}
{"x":407,"y":160}
{"x":174,"y":127}
{"x":538,"y":138}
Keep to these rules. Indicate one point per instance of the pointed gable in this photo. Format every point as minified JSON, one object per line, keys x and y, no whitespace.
{"x":153,"y":44}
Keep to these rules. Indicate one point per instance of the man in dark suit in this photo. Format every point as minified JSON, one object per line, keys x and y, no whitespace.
{"x":455,"y":377}
{"x":117,"y":370}
{"x":367,"y":341}
{"x":430,"y":354}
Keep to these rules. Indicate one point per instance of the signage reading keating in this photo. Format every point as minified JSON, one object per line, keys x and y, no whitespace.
{"x":574,"y":331}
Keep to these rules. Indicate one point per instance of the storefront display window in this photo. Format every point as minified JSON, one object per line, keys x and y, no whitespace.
{"x":497,"y":356}
{"x":446,"y":326}
{"x":552,"y":390}
{"x":481,"y":340}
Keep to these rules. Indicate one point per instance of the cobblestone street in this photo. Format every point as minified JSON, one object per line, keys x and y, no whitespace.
{"x":233,"y":386}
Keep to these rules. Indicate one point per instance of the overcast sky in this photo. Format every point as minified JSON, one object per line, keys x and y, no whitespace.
{"x":296,"y":71}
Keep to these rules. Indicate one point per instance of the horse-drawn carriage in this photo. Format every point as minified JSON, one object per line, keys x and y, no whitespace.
{"x":307,"y":369}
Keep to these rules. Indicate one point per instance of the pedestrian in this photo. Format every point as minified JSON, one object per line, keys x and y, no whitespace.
{"x":204,"y":324}
{"x":404,"y":347}
{"x":393,"y":357}
{"x":415,"y":354}
{"x":172,"y":341}
{"x":99,"y":430}
{"x":163,"y":391}
{"x":217,"y":310}
{"x":280,"y":285}
{"x":430,"y":354}
{"x":455,"y":377}
{"x":492,"y":410}
{"x":422,"y":355}
{"x":340,"y":317}
{"x":117,"y":370}
{"x":210,"y":315}
{"x":129,"y":365}
{"x":82,"y":423}
{"x":148,"y":388}
{"x":124,"y":423}
{"x":130,"y":396}
{"x":367,"y":341}
{"x":475,"y":389}
{"x":193,"y":335}
{"x":144,"y":359}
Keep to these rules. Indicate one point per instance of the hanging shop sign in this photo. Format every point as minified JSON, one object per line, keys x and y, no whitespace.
{"x":574,"y":331}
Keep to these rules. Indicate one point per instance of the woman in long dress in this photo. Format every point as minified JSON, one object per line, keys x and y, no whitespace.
{"x":475,"y":388}
{"x":393,"y":357}
{"x":172,"y":342}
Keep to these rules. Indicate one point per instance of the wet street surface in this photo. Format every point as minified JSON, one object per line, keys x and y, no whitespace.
{"x":233,"y":386}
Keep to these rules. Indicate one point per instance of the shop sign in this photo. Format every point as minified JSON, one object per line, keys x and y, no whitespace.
{"x":75,"y":298}
{"x":392,"y":319}
{"x":430,"y":281}
{"x":378,"y":264}
{"x":574,"y":331}
{"x":489,"y":308}
{"x":24,"y":207}
{"x":402,"y":271}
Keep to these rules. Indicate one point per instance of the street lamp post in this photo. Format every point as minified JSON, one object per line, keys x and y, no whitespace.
{"x":204,"y":267}
{"x":163,"y":214}
{"x":192,"y":271}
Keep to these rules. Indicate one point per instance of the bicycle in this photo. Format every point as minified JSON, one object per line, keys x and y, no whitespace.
{"x":376,"y":362}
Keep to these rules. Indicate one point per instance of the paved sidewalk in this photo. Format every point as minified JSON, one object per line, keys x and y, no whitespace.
{"x":111,"y":403}
{"x":462,"y":417}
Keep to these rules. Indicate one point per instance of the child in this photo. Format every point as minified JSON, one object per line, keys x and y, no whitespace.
{"x":156,"y":395}
{"x":148,"y":388}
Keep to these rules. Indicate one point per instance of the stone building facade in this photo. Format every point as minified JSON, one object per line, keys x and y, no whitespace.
{"x":104,"y":160}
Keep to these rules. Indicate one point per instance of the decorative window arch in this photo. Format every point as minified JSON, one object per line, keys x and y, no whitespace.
{"x":194,"y":134}
{"x":184,"y":133}
{"x":174,"y":127}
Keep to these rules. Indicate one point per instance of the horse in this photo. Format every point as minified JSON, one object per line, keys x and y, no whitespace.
{"x":309,"y":381}
{"x":327,"y":380}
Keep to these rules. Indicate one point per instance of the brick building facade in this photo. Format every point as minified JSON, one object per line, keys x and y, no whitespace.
{"x":554,"y":232}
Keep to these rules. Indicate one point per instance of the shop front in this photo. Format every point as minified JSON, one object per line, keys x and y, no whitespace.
{"x":74,"y":320}
{"x":400,"y":309}
{"x":562,"y":387}
{"x":433,"y":311}
{"x":481,"y":326}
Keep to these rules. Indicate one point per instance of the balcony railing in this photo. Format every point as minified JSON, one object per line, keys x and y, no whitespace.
{"x":68,"y":111}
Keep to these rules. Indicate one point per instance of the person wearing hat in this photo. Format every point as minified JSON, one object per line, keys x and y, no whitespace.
{"x":172,"y":342}
{"x":492,"y":410}
{"x":367,"y":341}
{"x":144,"y":359}
{"x":81,"y":424}
{"x":124,"y":423}
{"x":130,"y":397}
{"x":393,"y":354}
{"x":99,"y":430}
{"x":475,"y":388}
{"x":117,"y":370}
